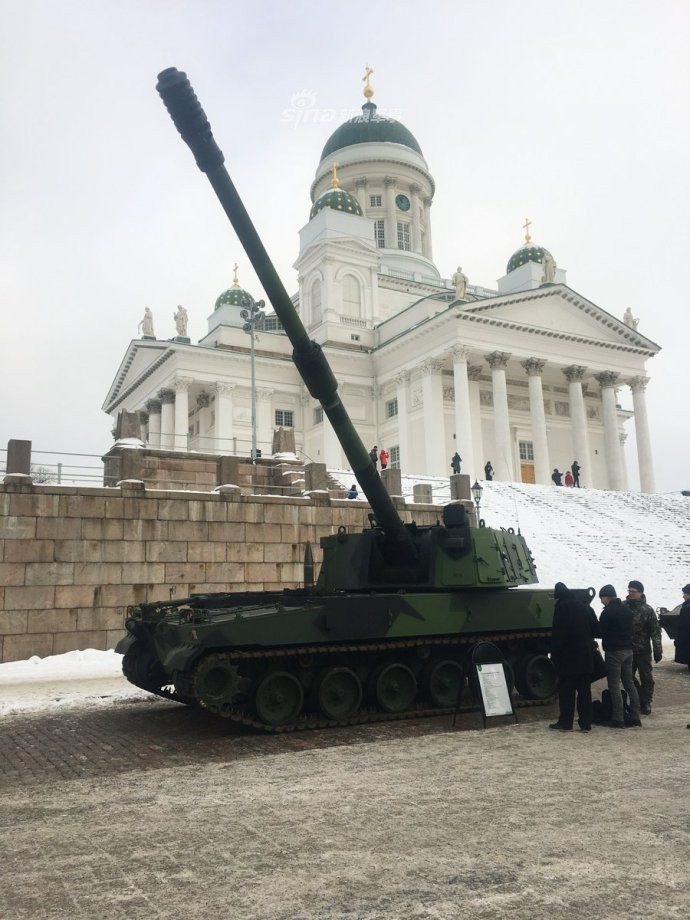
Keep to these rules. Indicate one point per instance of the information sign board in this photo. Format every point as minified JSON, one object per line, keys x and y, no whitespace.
{"x":494,"y":689}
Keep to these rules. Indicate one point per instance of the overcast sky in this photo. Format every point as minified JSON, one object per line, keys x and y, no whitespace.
{"x":572,"y":114}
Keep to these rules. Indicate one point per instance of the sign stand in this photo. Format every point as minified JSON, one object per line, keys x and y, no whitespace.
{"x":489,"y":681}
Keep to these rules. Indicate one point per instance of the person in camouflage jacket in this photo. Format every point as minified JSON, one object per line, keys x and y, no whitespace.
{"x":645,"y":629}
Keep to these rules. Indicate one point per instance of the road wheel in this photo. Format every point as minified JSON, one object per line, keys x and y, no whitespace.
{"x":217,"y":682}
{"x":393,"y":687}
{"x":278,"y":698}
{"x":536,"y":677}
{"x":338,"y":693}
{"x":443,"y":683}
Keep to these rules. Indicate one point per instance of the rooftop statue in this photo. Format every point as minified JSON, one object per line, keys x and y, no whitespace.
{"x":181,"y":321}
{"x":146,"y":325}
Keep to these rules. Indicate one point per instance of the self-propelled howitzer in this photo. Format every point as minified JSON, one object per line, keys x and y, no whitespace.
{"x":388,"y":629}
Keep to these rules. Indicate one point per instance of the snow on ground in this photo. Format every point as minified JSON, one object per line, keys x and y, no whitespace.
{"x":580,"y":536}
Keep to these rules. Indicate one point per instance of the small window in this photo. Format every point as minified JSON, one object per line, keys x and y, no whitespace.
{"x":403,"y":236}
{"x":395,"y":457}
{"x":380,"y":233}
{"x":392,"y":407}
{"x":375,"y":201}
{"x":285,"y":417}
{"x":526,"y":450}
{"x":318,"y":415}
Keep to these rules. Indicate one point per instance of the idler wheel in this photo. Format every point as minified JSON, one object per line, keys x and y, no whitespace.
{"x":444,"y":682}
{"x":339,"y":693}
{"x":536,"y":677}
{"x":393,"y":687}
{"x":278,"y":698}
{"x":141,"y":668}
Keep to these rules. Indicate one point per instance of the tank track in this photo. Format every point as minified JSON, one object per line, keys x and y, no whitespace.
{"x":184,"y":691}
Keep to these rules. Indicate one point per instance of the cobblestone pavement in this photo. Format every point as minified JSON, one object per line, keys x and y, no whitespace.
{"x":150,"y":809}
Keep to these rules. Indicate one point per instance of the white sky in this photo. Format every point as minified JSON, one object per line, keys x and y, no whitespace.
{"x":573,"y":114}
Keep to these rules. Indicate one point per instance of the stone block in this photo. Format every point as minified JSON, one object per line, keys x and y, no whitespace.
{"x":206,"y":552}
{"x":263,"y":533}
{"x":120,"y":596}
{"x":49,"y":573}
{"x":422,"y":493}
{"x":70,"y":642}
{"x":227,"y":533}
{"x":173,"y":510}
{"x":137,"y":509}
{"x":290,"y":533}
{"x":187,"y":572}
{"x":34,"y":505}
{"x":114,"y":636}
{"x":244,"y":552}
{"x":72,"y":596}
{"x":192,"y":531}
{"x":124,"y":551}
{"x":43,"y":621}
{"x":162,"y":551}
{"x":283,"y":552}
{"x":102,"y":529}
{"x":93,"y":551}
{"x":28,"y":551}
{"x":19,"y":648}
{"x":460,"y":488}
{"x":114,"y":508}
{"x":100,"y":619}
{"x":69,"y":551}
{"x":18,"y":456}
{"x":260,"y":572}
{"x":81,"y":506}
{"x":145,"y":573}
{"x":12,"y":573}
{"x":230,"y":573}
{"x":30,"y":598}
{"x":283,"y":513}
{"x":392,"y":481}
{"x":13,"y":621}
{"x":145,"y":530}
{"x":58,"y":529}
{"x":105,"y":573}
{"x":14,"y":527}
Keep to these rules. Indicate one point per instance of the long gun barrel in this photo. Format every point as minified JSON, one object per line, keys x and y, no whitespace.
{"x":191,"y":122}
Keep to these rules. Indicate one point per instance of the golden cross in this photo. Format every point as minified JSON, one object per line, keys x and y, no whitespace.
{"x":334,"y":181}
{"x":526,"y":226}
{"x":368,"y":89}
{"x":235,"y":280}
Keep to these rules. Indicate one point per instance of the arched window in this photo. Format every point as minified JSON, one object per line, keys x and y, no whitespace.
{"x":352,"y":297}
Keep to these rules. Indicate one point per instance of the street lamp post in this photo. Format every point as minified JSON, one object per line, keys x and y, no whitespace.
{"x":477,"y":496}
{"x":252,"y":316}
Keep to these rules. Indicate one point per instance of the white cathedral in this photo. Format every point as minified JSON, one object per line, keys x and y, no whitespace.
{"x":524,"y":376}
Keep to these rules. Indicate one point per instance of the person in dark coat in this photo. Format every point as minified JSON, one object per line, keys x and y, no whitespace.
{"x":575,"y":470}
{"x":682,"y":641}
{"x":455,"y":462}
{"x":615,"y":629}
{"x":574,"y":628}
{"x":488,"y":471}
{"x":556,"y":476}
{"x":374,"y":456}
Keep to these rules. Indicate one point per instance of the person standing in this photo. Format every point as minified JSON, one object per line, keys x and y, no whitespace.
{"x":383,"y":457}
{"x":575,"y":470}
{"x":573,"y":631}
{"x":455,"y":462}
{"x":615,"y":629}
{"x":682,"y":640}
{"x":488,"y":471}
{"x":569,"y":481}
{"x":556,"y":477}
{"x":374,"y":456}
{"x":645,"y":629}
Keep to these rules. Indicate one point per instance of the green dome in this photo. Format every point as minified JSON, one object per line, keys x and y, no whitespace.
{"x":528,"y":252}
{"x":369,"y":128}
{"x":236,"y":296}
{"x":338,"y":199}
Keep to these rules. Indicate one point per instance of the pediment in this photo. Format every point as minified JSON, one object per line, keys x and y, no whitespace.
{"x":560,"y":311}
{"x":141,"y":358}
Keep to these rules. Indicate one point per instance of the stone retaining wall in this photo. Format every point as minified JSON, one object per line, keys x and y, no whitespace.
{"x":72,"y":559}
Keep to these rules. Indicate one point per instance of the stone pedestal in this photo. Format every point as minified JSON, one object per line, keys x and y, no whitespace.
{"x":315,"y":478}
{"x":18,"y":456}
{"x":392,"y":481}
{"x":227,"y":471}
{"x":460,"y":487}
{"x":422,"y":494}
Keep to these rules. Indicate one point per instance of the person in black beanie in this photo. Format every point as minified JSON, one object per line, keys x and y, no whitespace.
{"x":572,"y":651}
{"x":615,"y":628}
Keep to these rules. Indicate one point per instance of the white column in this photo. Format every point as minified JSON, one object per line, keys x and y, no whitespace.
{"x":434,"y":434}
{"x":622,"y":438}
{"x":502,"y":462}
{"x":182,"y":385}
{"x":638,"y":386}
{"x":167,"y":398}
{"x":463,"y":417}
{"x":264,"y":420}
{"x":607,"y":382}
{"x":427,"y":233}
{"x":153,"y":407}
{"x":361,"y":195}
{"x":574,"y":374}
{"x":203,"y":440}
{"x":542,"y":463}
{"x":474,"y":372}
{"x":402,"y":382}
{"x":223,"y":421}
{"x":416,"y":241}
{"x":391,"y":222}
